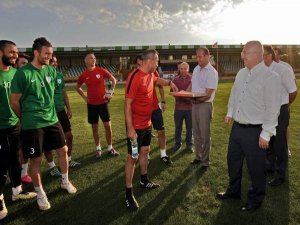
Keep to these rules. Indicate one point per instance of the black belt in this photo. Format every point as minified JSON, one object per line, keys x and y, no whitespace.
{"x":247,"y":125}
{"x":195,"y":103}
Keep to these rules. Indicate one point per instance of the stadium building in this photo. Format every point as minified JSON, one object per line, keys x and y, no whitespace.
{"x":119,"y":59}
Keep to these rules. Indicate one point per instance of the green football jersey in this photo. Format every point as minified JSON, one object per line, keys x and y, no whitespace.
{"x":59,"y":93}
{"x":7,"y":117}
{"x":37,"y":101}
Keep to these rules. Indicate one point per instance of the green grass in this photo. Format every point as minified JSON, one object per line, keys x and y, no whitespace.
{"x":186,"y":195}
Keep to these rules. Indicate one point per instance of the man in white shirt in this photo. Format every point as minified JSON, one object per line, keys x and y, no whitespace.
{"x":277,"y":52}
{"x":204,"y":80}
{"x":277,"y":59}
{"x":253,"y":105}
{"x":278,"y":152}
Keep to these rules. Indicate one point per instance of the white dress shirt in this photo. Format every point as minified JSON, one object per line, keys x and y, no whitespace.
{"x":287,"y":65}
{"x":205,"y":78}
{"x":288,"y":84}
{"x":255,"y":99}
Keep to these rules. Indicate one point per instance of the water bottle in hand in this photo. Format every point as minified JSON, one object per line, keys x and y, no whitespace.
{"x":134,"y":148}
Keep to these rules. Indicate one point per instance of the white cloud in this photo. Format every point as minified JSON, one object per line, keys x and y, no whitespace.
{"x":68,"y":11}
{"x":147,"y":18}
{"x":136,"y":15}
{"x":106,"y":16}
{"x":135,"y":2}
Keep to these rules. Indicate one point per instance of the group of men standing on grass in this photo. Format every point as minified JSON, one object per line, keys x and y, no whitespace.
{"x":30,"y":121}
{"x":140,"y":104}
{"x":35,"y":117}
{"x":258,"y":107}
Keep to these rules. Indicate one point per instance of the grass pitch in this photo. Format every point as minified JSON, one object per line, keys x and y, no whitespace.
{"x":186,"y":195}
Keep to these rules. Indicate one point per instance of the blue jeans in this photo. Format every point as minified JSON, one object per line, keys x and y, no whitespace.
{"x":179,"y":116}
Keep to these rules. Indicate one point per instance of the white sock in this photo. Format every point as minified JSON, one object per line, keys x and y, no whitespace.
{"x":1,"y":197}
{"x":69,"y":158}
{"x":24,"y":171}
{"x":17,"y":190}
{"x":51,"y":164}
{"x":40,"y":191}
{"x":163,"y":153}
{"x":98,"y":148}
{"x":109,"y":147}
{"x":65,"y":178}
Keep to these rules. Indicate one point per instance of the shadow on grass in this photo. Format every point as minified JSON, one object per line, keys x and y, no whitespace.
{"x":102,"y":202}
{"x":96,"y":204}
{"x":160,"y":208}
{"x":274,"y":210}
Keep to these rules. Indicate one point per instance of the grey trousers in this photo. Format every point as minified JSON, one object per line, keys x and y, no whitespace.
{"x":201,"y":117}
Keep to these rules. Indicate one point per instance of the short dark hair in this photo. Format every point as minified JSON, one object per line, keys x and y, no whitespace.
{"x":51,"y":60}
{"x":269,"y":49}
{"x":204,"y":50}
{"x":138,"y":57}
{"x":39,"y":43}
{"x":278,"y":50}
{"x":3,"y":44}
{"x":22,"y":55}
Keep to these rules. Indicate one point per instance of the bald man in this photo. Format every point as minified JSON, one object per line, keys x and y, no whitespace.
{"x":253,"y":108}
{"x":97,"y":100}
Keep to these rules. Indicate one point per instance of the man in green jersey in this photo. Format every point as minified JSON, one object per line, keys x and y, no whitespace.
{"x":9,"y":129}
{"x":22,"y":60}
{"x":61,"y":100}
{"x":32,"y":100}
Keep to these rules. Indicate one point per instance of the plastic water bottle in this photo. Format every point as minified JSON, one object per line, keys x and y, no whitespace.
{"x":134,"y":148}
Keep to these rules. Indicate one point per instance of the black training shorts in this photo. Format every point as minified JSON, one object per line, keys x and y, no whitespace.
{"x":35,"y":141}
{"x":64,"y":121}
{"x":157,"y":120}
{"x":94,"y":111}
{"x":143,"y":139}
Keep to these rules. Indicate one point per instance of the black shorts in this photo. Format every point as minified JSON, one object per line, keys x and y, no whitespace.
{"x":35,"y":141}
{"x":94,"y":111}
{"x":64,"y":121}
{"x":143,"y":139}
{"x":9,"y":141}
{"x":157,"y":120}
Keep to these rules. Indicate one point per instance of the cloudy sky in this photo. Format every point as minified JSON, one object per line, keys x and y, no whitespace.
{"x":146,"y":22}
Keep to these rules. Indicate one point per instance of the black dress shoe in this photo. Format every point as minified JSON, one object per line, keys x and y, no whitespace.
{"x":204,"y":168}
{"x":225,"y":195}
{"x":195,"y":162}
{"x":249,"y":207}
{"x":276,"y":182}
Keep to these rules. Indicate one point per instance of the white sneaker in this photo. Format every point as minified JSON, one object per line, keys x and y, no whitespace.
{"x":98,"y":154}
{"x":43,"y":203}
{"x":3,"y":209}
{"x":69,"y":187}
{"x":23,"y":195}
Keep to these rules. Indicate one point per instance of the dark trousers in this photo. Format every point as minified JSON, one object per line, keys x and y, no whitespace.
{"x":179,"y":116}
{"x":243,"y":143}
{"x":277,"y":154}
{"x":9,"y":156}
